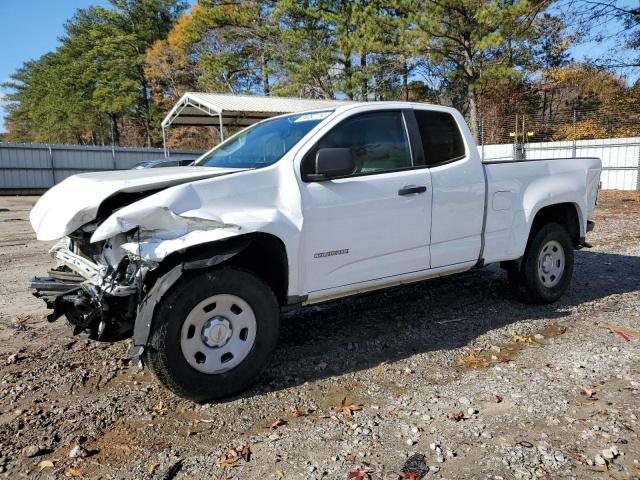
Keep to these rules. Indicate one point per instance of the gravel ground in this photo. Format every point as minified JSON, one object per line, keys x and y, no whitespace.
{"x":456,"y":371}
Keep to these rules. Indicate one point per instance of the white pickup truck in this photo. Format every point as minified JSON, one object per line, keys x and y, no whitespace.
{"x":196,"y":263}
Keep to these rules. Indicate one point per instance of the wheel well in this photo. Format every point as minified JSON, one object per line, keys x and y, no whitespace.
{"x":261,"y":253}
{"x":566,"y":214}
{"x":266,"y":256}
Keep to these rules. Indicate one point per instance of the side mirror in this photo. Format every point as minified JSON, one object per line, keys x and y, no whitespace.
{"x":330,"y":163}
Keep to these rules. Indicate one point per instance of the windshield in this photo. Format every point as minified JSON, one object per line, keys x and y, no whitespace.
{"x":263,"y":144}
{"x":140,"y":165}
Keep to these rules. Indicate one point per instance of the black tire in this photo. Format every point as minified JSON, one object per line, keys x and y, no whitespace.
{"x":164,"y":355}
{"x":525,"y":280}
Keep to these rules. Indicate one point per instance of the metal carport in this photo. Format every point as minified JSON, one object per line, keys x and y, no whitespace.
{"x":220,"y":110}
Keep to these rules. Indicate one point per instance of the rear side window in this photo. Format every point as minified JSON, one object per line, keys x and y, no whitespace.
{"x":441,"y":139}
{"x":378,"y":141}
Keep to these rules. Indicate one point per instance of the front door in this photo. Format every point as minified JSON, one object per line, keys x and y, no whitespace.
{"x":374,"y":224}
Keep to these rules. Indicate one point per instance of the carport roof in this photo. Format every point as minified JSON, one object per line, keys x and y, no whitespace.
{"x":212,"y":109}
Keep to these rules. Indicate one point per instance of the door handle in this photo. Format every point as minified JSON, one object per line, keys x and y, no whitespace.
{"x":411,"y":189}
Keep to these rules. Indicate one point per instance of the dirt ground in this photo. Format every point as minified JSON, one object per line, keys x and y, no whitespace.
{"x":456,"y":370}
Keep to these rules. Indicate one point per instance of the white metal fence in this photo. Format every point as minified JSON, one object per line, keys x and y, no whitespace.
{"x":620,"y":157}
{"x":35,"y":167}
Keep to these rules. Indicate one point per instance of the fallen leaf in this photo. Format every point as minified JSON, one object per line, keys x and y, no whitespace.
{"x":358,"y":475}
{"x":624,"y":336}
{"x":245,"y":453}
{"x":44,"y":464}
{"x":278,"y":423}
{"x":496,"y":398}
{"x":322,"y":366}
{"x":619,"y":330}
{"x":523,"y":339}
{"x":72,"y":472}
{"x":279,"y":473}
{"x":159,"y":409}
{"x":74,"y":365}
{"x":152,"y":468}
{"x":23,"y":318}
{"x":588,"y":392}
{"x":457,"y":416}
{"x":298,"y":413}
{"x":351,"y":457}
{"x":377,"y":372}
{"x":349,"y":385}
{"x":476,"y":359}
{"x":228,"y":459}
{"x":344,"y":408}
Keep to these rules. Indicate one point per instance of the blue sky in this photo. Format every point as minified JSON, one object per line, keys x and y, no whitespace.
{"x":30,"y":28}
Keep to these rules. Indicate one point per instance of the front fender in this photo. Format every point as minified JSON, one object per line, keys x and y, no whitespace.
{"x":215,"y":255}
{"x":212,"y":210}
{"x":205,"y":211}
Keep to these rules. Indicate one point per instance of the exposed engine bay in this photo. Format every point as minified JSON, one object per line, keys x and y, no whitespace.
{"x":97,"y":287}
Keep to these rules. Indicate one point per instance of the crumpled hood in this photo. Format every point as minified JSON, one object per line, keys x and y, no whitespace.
{"x":209,"y":210}
{"x":75,"y":201}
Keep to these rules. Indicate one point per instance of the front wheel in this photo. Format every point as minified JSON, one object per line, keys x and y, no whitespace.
{"x":213,"y":333}
{"x":547,"y":266}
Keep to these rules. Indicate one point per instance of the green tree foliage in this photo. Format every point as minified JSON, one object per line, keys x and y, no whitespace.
{"x":119,"y":69}
{"x":481,"y":41}
{"x":93,"y":85}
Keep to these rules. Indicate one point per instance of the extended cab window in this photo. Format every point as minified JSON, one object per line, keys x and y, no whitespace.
{"x":377,"y":140}
{"x":441,"y":139}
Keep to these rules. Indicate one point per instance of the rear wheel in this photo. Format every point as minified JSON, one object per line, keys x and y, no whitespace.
{"x":213,"y":333}
{"x":546,"y":268}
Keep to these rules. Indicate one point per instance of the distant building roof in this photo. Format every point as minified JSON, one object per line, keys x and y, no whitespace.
{"x":203,"y":109}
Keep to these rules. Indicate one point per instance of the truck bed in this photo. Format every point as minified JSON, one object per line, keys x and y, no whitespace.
{"x":517,"y":190}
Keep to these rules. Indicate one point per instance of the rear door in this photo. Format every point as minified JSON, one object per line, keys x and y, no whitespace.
{"x":457,"y":177}
{"x":374,"y":224}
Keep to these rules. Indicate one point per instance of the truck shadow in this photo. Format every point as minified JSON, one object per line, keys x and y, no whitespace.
{"x":447,"y":313}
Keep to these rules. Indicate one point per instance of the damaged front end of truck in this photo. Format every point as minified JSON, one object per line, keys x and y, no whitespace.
{"x":123,"y":243}
{"x":107,"y":265}
{"x":108,"y":288}
{"x":96,"y":286}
